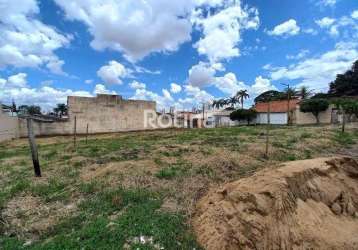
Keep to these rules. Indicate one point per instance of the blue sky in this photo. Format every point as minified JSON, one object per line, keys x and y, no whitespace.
{"x":178,"y":53}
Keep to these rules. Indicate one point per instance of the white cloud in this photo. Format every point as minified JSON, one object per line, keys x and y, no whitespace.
{"x":195,"y":96}
{"x":222,"y":30}
{"x":229,"y":84}
{"x":136,"y":28}
{"x":137,"y":85}
{"x":334,"y":27}
{"x":325,"y":22}
{"x":47,"y":97}
{"x":163,"y":101}
{"x":355,"y":14}
{"x":326,"y":3}
{"x":113,"y":73}
{"x":88,"y":81}
{"x":201,"y":75}
{"x":167,"y":94}
{"x":101,"y":89}
{"x":26,"y":41}
{"x":288,"y":28}
{"x":175,"y":88}
{"x":261,"y":85}
{"x":302,"y":54}
{"x":18,"y":80}
{"x":318,"y":72}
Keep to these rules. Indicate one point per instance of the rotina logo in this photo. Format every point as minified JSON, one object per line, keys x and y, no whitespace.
{"x":154,"y":120}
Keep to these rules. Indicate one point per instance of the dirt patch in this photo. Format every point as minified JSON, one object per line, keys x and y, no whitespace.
{"x":96,"y":171}
{"x":29,"y":216}
{"x":311,"y":204}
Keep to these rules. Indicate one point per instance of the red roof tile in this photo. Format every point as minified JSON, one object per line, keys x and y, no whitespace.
{"x":276,"y":106}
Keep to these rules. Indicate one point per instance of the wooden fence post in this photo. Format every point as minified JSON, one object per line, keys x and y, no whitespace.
{"x":86,"y":133}
{"x":268,"y":129}
{"x":75,"y":133}
{"x":33,"y":147}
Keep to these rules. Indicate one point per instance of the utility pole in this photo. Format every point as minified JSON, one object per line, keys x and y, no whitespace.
{"x":288,"y":102}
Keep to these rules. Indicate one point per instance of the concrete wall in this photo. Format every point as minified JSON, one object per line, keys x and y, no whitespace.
{"x":103,"y":114}
{"x":301,"y":118}
{"x":9,"y":128}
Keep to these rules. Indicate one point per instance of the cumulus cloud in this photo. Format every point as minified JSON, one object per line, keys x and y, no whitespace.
{"x":334,"y":27}
{"x":222,"y":30}
{"x":261,"y":85}
{"x":136,"y":28}
{"x":288,"y":28}
{"x":318,"y":72}
{"x":139,"y":28}
{"x":27,"y":42}
{"x":163,"y":101}
{"x":101,"y":89}
{"x":229,"y":84}
{"x":112,"y":73}
{"x":47,"y":97}
{"x":175,"y":88}
{"x":355,"y":14}
{"x":18,"y":80}
{"x":201,"y":75}
{"x":325,"y":22}
{"x":137,"y":85}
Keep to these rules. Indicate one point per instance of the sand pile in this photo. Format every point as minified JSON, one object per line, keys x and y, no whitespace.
{"x":311,"y":204}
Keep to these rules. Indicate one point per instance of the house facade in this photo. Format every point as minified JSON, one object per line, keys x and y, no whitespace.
{"x":278,"y":110}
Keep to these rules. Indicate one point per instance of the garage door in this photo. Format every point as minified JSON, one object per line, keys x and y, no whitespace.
{"x":276,"y":118}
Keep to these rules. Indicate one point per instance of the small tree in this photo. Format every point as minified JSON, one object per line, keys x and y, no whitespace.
{"x":243,"y":114}
{"x":314,"y":106}
{"x":348,"y":107}
{"x":61,"y":109}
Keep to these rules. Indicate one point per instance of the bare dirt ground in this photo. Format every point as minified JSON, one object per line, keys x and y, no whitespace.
{"x":310,"y":204}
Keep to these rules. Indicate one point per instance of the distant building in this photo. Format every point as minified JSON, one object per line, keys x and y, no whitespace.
{"x":102,"y":114}
{"x":278,"y":111}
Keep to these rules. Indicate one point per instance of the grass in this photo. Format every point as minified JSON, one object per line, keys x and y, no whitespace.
{"x":117,"y":184}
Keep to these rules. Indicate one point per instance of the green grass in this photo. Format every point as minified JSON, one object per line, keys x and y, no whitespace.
{"x":346,"y":138}
{"x":93,"y":229}
{"x":115,"y":209}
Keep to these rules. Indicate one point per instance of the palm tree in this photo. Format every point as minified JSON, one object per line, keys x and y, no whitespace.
{"x":241,"y":96}
{"x":291,"y":92}
{"x":219,"y":103}
{"x":304,"y":92}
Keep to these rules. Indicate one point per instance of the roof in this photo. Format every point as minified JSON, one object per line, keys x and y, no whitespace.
{"x":276,"y":106}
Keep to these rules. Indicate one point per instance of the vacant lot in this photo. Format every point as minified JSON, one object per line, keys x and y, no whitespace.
{"x":137,"y":190}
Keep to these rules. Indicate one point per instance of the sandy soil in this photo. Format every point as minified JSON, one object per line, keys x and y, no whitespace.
{"x":310,"y":204}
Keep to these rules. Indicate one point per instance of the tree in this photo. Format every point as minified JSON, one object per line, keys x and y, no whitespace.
{"x":31,"y":110}
{"x":314,"y":106}
{"x":345,"y":84}
{"x":243,"y":114}
{"x":13,"y":107}
{"x":219,"y":103}
{"x":290,"y":93}
{"x":61,"y":109}
{"x":348,"y":107}
{"x":304,"y":93}
{"x":241,"y":96}
{"x":271,"y":95}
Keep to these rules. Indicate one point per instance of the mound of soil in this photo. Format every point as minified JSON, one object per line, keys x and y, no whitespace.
{"x":310,"y":204}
